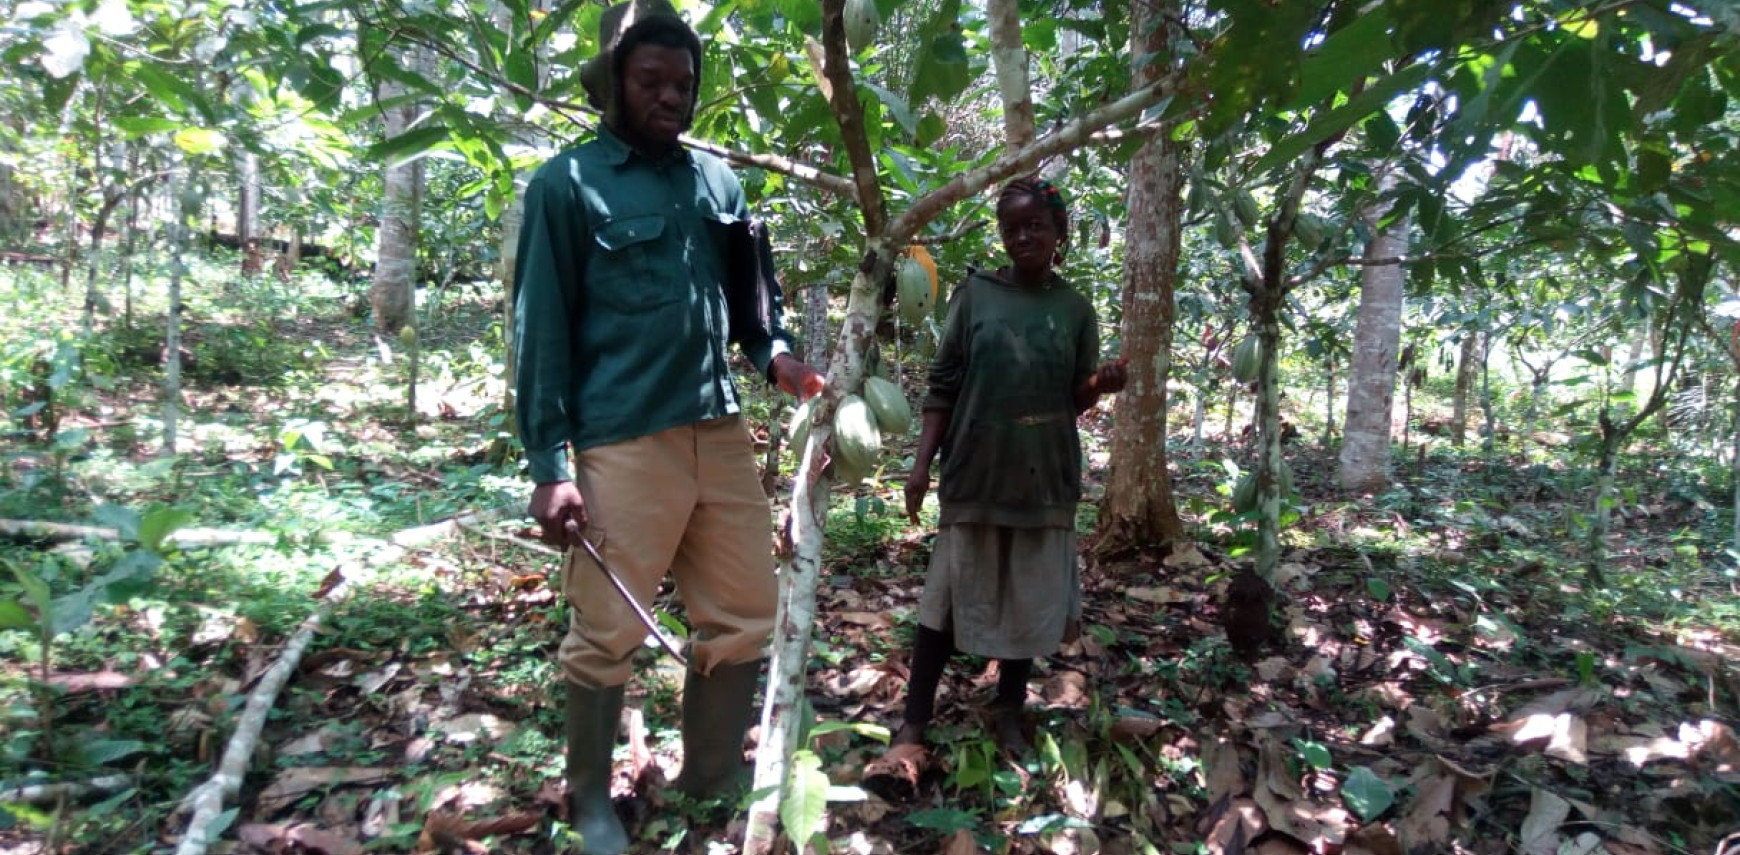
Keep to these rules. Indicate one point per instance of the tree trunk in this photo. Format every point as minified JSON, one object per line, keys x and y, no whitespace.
{"x":816,"y":323}
{"x":172,"y":326}
{"x":1488,"y":412}
{"x":1734,"y":464}
{"x":1466,"y":362}
{"x":1138,"y":510}
{"x":1010,"y":59}
{"x":248,"y":212}
{"x":1371,"y":381}
{"x":1328,"y":400}
{"x":511,"y":219}
{"x":392,"y":292}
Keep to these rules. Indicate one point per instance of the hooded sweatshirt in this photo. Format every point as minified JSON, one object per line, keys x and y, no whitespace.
{"x":621,"y":320}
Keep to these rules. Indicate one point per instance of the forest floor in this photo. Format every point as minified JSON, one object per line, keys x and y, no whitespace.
{"x":1452,"y":678}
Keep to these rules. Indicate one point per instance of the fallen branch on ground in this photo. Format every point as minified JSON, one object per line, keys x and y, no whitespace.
{"x":45,"y":793}
{"x":206,"y":802}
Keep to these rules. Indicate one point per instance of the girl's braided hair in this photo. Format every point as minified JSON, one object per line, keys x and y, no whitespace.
{"x":1048,"y":195}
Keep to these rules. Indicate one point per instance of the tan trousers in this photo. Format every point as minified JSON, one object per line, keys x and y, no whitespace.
{"x":687,"y":500}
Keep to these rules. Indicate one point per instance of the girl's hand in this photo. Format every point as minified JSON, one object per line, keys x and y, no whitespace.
{"x":1111,"y":377}
{"x":917,"y":484}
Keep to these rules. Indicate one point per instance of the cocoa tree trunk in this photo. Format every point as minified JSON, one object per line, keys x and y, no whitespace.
{"x":392,"y":291}
{"x":1010,"y":59}
{"x":172,"y":324}
{"x":1371,"y":381}
{"x":1466,"y":361}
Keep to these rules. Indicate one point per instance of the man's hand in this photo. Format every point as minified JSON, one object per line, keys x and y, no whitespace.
{"x":917,"y":484}
{"x":560,"y":511}
{"x":1111,"y":377}
{"x":796,"y":377}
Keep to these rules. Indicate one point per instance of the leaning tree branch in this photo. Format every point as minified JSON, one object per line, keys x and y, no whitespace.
{"x":850,"y":114}
{"x":1010,"y":164}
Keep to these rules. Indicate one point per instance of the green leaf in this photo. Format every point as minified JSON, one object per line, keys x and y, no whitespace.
{"x":1341,"y":118}
{"x":159,"y":523}
{"x":407,"y":146}
{"x":1315,"y":754}
{"x":13,"y":615}
{"x":1366,"y":794}
{"x":930,"y":129}
{"x":124,"y":520}
{"x":134,"y":127}
{"x":1377,"y":588}
{"x":35,"y":590}
{"x":72,"y":611}
{"x":99,"y":752}
{"x":945,"y":821}
{"x":1344,"y":58}
{"x":806,"y":797}
{"x":943,"y":68}
{"x":199,"y":140}
{"x":221,"y":824}
{"x":896,"y":107}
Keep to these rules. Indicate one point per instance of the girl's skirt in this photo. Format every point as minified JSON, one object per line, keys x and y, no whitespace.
{"x":1007,"y":593}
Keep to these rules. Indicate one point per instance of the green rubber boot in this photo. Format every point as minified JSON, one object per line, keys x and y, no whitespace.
{"x":592,"y":718}
{"x":716,"y":714}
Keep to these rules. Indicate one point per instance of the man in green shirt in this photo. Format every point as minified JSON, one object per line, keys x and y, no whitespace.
{"x":624,"y":315}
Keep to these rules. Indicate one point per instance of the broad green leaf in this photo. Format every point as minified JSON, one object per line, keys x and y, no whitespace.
{"x":159,"y":523}
{"x":170,"y":91}
{"x":134,"y":127}
{"x":408,"y":146}
{"x":806,"y":797}
{"x":100,"y":752}
{"x":35,"y":590}
{"x":71,"y":611}
{"x":930,"y":129}
{"x":945,"y":821}
{"x":1341,"y":118}
{"x":1347,"y":56}
{"x":1366,"y":794}
{"x":943,"y":68}
{"x":316,"y":31}
{"x":124,"y":520}
{"x":1315,"y":754}
{"x":13,"y":615}
{"x":896,"y":107}
{"x":199,"y":140}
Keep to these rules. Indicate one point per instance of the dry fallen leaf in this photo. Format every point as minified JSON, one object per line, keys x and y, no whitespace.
{"x":1224,"y":777}
{"x":300,"y":837}
{"x":296,"y":782}
{"x":1240,"y":823}
{"x":961,"y":844}
{"x":1157,"y":596}
{"x":1540,"y":829}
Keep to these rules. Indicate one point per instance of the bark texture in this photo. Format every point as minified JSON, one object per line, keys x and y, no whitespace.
{"x":395,"y":277}
{"x":1466,"y":363}
{"x":1138,"y":509}
{"x":1010,"y":59}
{"x":1371,"y":381}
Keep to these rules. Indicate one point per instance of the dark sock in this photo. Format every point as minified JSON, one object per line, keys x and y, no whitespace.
{"x":930,"y":652}
{"x":1012,"y":676}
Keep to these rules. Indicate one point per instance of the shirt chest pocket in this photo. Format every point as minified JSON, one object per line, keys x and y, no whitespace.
{"x":632,"y":269}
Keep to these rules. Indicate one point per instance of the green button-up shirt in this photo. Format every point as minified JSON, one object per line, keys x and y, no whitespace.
{"x":621,"y":320}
